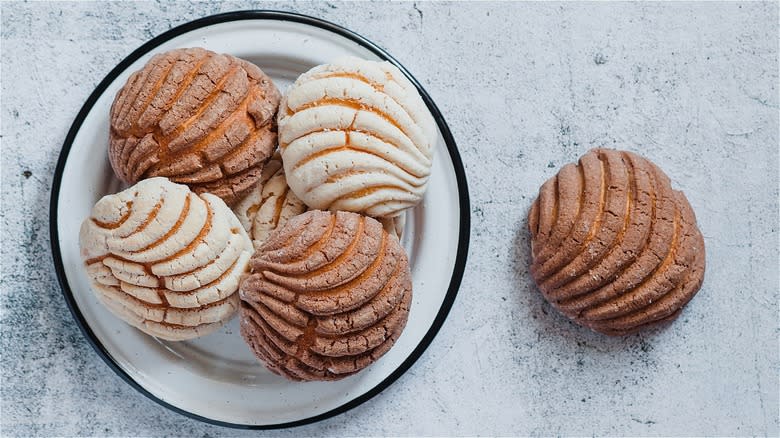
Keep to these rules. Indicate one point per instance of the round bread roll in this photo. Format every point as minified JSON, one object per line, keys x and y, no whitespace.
{"x":613,"y":246}
{"x":198,"y":118}
{"x":271,"y":203}
{"x":164,"y":259}
{"x":356,"y":136}
{"x":328,"y":294}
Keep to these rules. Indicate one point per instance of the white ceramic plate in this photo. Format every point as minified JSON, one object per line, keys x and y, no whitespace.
{"x":216,"y":378}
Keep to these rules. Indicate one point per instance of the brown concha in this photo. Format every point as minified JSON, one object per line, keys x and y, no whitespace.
{"x":198,"y":118}
{"x":613,"y":247}
{"x":328,"y":294}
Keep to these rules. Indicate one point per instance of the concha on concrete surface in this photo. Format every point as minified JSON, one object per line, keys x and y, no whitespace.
{"x":164,"y":259}
{"x":198,"y":118}
{"x":613,"y":246}
{"x":271,"y":203}
{"x":328,"y":294}
{"x":355,"y":135}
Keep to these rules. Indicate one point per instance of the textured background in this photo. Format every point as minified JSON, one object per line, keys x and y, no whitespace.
{"x":525,"y":89}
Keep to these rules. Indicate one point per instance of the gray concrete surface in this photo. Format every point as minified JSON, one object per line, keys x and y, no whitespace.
{"x":525,"y":89}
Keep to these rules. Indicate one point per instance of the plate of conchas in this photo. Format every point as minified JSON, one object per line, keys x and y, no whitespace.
{"x":259,"y":219}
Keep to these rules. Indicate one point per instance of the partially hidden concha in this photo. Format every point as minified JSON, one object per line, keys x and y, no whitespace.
{"x":328,"y":294}
{"x":614,"y":247}
{"x":198,"y":118}
{"x":271,"y":203}
{"x":355,"y":135}
{"x":268,"y":205}
{"x":164,"y":259}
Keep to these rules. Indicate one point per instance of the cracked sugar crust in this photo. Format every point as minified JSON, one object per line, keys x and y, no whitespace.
{"x":271,"y":203}
{"x":327,"y":295}
{"x":356,"y":136}
{"x":164,"y":259}
{"x":613,"y":246}
{"x":198,"y":118}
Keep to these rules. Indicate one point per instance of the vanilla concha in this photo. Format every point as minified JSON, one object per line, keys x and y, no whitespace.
{"x":164,"y":259}
{"x":355,"y":135}
{"x":271,"y":203}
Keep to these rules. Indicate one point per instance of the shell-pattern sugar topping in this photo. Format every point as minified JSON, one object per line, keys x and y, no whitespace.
{"x":164,"y":259}
{"x":613,"y":246}
{"x":328,"y":294}
{"x":196,"y":117}
{"x":271,"y":203}
{"x":356,"y":136}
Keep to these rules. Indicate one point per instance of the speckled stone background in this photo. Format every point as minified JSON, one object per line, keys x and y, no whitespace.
{"x":525,"y":89}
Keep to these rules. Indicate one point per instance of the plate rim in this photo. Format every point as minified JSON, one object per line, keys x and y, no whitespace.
{"x":273,"y":15}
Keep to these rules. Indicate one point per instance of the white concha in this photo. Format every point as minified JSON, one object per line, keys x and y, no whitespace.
{"x":271,"y":204}
{"x":164,"y":259}
{"x":355,"y":135}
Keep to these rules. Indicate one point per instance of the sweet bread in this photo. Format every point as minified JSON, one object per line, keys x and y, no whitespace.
{"x":164,"y":259}
{"x":328,"y":294}
{"x":198,"y":118}
{"x":613,"y":246}
{"x":355,"y":135}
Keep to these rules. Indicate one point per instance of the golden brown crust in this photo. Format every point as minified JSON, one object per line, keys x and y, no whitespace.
{"x":328,"y":294}
{"x":198,"y":118}
{"x":613,"y":246}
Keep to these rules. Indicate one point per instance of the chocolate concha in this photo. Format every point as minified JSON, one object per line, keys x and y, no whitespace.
{"x":614,"y":248}
{"x":271,"y":203}
{"x":328,"y":294}
{"x":164,"y":259}
{"x":198,"y":118}
{"x":356,"y":136}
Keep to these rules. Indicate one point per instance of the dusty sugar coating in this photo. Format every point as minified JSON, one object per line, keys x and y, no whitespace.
{"x":164,"y":259}
{"x":328,"y":294}
{"x":613,"y":246}
{"x":198,"y":118}
{"x":271,"y":203}
{"x":356,"y":136}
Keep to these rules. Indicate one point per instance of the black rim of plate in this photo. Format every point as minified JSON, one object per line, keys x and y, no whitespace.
{"x":465,"y":219}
